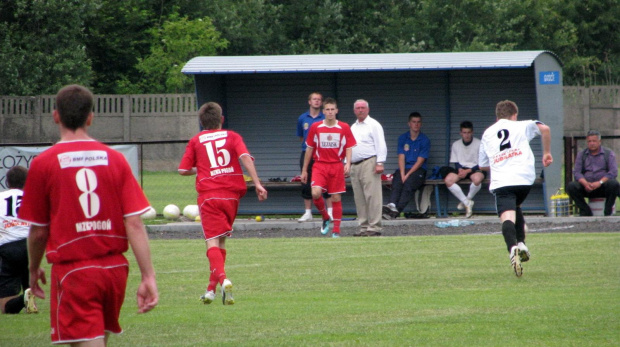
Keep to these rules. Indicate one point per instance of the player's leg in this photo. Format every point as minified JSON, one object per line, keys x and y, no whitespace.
{"x":505,"y":201}
{"x":337,"y":213}
{"x":413,"y":183}
{"x":390,"y":209}
{"x":476,"y":184}
{"x":306,"y":191}
{"x":451,"y":179}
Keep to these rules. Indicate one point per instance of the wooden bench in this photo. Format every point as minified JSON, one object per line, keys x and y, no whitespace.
{"x":442,"y":211}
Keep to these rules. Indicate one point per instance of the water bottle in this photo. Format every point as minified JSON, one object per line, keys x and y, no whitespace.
{"x":454,"y":223}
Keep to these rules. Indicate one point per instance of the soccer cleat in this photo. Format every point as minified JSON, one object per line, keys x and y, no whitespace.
{"x":524,"y":252}
{"x":515,"y":261}
{"x":29,"y":302}
{"x":305,"y":218}
{"x":335,"y":235}
{"x":207,"y":297}
{"x":327,"y":226}
{"x":227,"y":297}
{"x":460,"y":206}
{"x":469,"y":209}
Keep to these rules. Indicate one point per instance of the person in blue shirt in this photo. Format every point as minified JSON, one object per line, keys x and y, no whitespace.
{"x":304,"y":122}
{"x":413,"y":151}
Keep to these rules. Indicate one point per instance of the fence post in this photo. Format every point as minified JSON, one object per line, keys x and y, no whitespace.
{"x":38,"y":113}
{"x":127,"y":117}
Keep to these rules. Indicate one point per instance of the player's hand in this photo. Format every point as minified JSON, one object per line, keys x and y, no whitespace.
{"x":347,"y":169}
{"x":262,"y":193}
{"x":304,"y":177}
{"x":147,"y":295}
{"x":547,"y":159}
{"x":35,"y":288}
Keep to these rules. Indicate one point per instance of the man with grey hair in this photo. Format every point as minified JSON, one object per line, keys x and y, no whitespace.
{"x":367,"y":162}
{"x":595,"y":174}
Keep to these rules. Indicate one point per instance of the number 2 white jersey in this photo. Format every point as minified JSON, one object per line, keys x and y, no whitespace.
{"x":505,"y":148}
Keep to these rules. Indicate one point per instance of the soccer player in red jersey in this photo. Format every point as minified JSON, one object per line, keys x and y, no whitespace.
{"x":84,"y":206}
{"x":214,"y":156}
{"x":329,"y":142}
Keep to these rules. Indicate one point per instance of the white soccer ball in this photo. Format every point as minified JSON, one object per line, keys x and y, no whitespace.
{"x":191,"y":211}
{"x":149,"y":214}
{"x":171,"y":211}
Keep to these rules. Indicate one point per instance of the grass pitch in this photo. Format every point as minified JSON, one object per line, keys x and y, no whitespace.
{"x":388,"y":291}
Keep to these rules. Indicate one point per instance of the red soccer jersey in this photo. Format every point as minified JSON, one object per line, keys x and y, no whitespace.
{"x":330,"y":143}
{"x":215,"y":154}
{"x":82,"y":190}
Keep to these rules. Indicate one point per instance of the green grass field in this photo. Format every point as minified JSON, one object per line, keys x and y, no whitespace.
{"x":388,"y":291}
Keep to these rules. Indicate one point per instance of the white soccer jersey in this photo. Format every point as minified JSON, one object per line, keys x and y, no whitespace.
{"x":11,"y":228}
{"x":467,"y":156}
{"x":505,"y":148}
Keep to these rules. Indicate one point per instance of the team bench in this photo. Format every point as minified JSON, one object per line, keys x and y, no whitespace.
{"x":442,"y":211}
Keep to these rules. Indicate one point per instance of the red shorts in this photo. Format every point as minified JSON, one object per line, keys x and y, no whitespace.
{"x":86,"y":298}
{"x":217,"y":215}
{"x":329,"y":177}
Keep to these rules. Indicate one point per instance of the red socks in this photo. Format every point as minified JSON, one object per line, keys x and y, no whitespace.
{"x":320,"y":205}
{"x":337,"y":212}
{"x":217,"y":259}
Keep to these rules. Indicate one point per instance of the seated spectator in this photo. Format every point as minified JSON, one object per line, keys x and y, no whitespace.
{"x":595,"y":175}
{"x":413,"y":150}
{"x":464,"y":155}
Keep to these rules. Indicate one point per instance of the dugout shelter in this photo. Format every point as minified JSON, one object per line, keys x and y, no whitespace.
{"x":262,"y":97}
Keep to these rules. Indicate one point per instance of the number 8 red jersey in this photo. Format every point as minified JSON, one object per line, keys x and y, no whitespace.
{"x":93,"y":189}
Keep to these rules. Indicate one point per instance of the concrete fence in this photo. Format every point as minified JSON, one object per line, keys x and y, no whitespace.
{"x":124,"y":118}
{"x":157,"y":117}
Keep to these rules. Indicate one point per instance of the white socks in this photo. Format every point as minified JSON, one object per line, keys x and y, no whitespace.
{"x":458,"y":193}
{"x":473,"y":190}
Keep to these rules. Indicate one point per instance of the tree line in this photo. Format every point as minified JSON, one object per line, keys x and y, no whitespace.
{"x":140,"y":46}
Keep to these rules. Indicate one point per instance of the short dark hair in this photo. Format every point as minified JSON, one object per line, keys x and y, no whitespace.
{"x":74,"y":103}
{"x":467,"y":125}
{"x":414,"y":115}
{"x":16,"y":177}
{"x":330,"y":101}
{"x":210,"y":115}
{"x":506,"y":108}
{"x":594,"y":133}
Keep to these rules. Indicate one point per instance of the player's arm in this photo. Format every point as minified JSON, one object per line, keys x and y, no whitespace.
{"x":37,"y":241}
{"x":417,"y":165}
{"x":401,"y":166}
{"x":147,"y":294}
{"x":189,"y":172}
{"x":248,"y":163}
{"x":545,"y":134}
{"x":304,"y":169}
{"x":347,"y":165}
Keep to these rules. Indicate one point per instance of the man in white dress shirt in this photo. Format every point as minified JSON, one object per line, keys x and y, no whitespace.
{"x":367,"y":161}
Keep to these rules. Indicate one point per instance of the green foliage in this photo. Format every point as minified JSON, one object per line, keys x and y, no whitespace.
{"x":140,"y":46}
{"x":178,"y":41}
{"x":388,"y":291}
{"x":42,"y":45}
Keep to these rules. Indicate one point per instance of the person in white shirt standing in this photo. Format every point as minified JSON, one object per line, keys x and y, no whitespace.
{"x":505,"y":150}
{"x":367,"y":161}
{"x":464,"y":155}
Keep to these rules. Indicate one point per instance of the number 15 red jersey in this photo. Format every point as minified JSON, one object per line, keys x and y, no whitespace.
{"x":215,"y":155}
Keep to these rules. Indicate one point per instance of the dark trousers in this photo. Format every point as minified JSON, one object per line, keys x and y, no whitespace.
{"x":14,"y":274}
{"x":403,"y":192}
{"x":609,"y":190}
